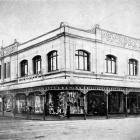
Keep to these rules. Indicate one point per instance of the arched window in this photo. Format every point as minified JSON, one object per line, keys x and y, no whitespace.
{"x":52,"y":61}
{"x":82,"y":60}
{"x":24,"y":68}
{"x":37,"y":64}
{"x":111,"y":64}
{"x":133,"y":67}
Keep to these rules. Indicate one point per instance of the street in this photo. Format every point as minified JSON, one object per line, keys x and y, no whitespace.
{"x":103,"y":129}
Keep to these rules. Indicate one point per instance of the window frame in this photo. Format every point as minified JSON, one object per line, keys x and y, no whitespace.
{"x":134,"y":63}
{"x":52,"y":61}
{"x":111,"y":64}
{"x":85,"y":57}
{"x":37,"y":61}
{"x":23,"y":71}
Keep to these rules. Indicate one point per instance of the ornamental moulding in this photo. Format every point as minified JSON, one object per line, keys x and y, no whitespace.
{"x":120,"y":40}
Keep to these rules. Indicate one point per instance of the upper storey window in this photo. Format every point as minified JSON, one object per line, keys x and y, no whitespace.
{"x":52,"y":61}
{"x":7,"y":70}
{"x":133,"y":67}
{"x":111,"y":64}
{"x":24,"y":68}
{"x":37,"y":64}
{"x":82,"y":60}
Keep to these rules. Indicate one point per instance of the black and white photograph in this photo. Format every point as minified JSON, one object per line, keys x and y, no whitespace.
{"x":69,"y":69}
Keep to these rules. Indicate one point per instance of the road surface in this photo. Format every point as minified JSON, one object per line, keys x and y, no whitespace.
{"x":103,"y":129}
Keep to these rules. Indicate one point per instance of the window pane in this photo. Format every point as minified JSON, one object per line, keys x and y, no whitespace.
{"x":77,"y":62}
{"x":26,"y":69}
{"x":135,"y":69}
{"x":113,"y":67}
{"x":38,"y":66}
{"x":4,"y":70}
{"x":81,"y":53}
{"x":54,"y":63}
{"x":81,"y":63}
{"x":131,"y":69}
{"x":85,"y":64}
{"x":8,"y":69}
{"x":51,"y":66}
{"x":38,"y":106}
{"x":109,"y":66}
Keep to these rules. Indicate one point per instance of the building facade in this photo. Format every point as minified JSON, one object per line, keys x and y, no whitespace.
{"x":71,"y":71}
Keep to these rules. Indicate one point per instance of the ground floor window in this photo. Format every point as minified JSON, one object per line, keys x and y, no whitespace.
{"x":8,"y":104}
{"x":76,"y":101}
{"x":21,"y":103}
{"x":36,"y":103}
{"x":96,"y":103}
{"x":133,"y":103}
{"x":116,"y":102}
{"x":59,"y":102}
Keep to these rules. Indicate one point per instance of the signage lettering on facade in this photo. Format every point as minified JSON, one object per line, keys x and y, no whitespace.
{"x":120,"y":40}
{"x":8,"y":50}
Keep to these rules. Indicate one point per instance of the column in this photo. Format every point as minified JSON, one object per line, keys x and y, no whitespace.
{"x":44,"y":102}
{"x":44,"y":111}
{"x":85,"y":91}
{"x":14,"y":106}
{"x":126,"y":114}
{"x":27,"y":107}
{"x":107,"y":92}
{"x":107,"y":105}
{"x":84,"y":107}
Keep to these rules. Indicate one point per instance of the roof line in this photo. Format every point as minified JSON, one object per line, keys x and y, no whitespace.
{"x":88,"y":31}
{"x":120,"y":34}
{"x":40,"y":36}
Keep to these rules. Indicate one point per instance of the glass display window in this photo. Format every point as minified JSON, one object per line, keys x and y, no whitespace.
{"x":76,"y":102}
{"x":8,"y":105}
{"x":36,"y":103}
{"x":21,"y":103}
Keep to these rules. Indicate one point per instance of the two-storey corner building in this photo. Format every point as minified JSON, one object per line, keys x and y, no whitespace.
{"x":71,"y":71}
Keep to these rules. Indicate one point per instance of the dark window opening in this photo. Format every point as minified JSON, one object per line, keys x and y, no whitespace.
{"x":24,"y":68}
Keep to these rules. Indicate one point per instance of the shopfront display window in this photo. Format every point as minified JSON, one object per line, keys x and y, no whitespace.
{"x":36,"y":103}
{"x":8,"y":104}
{"x":133,"y":103}
{"x":57,"y":102}
{"x":21,"y":103}
{"x":76,"y":102}
{"x":96,"y":103}
{"x":116,"y":102}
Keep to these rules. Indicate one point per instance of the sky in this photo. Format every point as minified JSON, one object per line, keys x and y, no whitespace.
{"x":26,"y":19}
